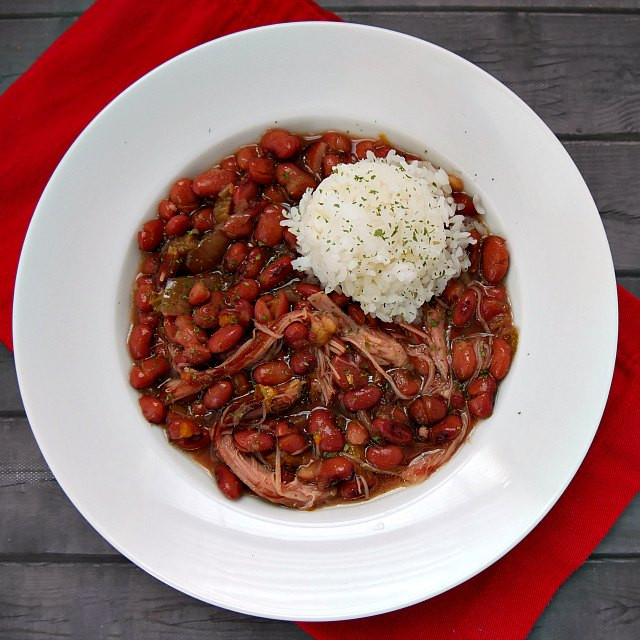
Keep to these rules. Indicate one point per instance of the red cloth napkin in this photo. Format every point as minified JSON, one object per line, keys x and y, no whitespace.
{"x":112,"y":45}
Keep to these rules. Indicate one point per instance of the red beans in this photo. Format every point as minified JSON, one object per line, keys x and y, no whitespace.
{"x":151,"y":235}
{"x":148,"y":371}
{"x":268,"y":231}
{"x":468,"y":208}
{"x":302,"y":362}
{"x":271,"y":307}
{"x":183,"y":196}
{"x":481,"y":406}
{"x":330,"y":161}
{"x":166,"y":209}
{"x":393,"y":431}
{"x":495,"y":259}
{"x":234,"y":256}
{"x":338,"y":468}
{"x":262,"y":170}
{"x":272,"y":373}
{"x":238,"y":312}
{"x":218,"y":395}
{"x":240,"y":382}
{"x":491,"y":308}
{"x":225,"y":338}
{"x":140,"y":341}
{"x":296,"y":335}
{"x":500,"y":358}
{"x":314,"y":154}
{"x":474,"y":251}
{"x":246,"y":290}
{"x":446,"y":430}
{"x":294,"y":180}
{"x":153,"y":409}
{"x":230,"y":164}
{"x":406,"y":382}
{"x":244,"y":156}
{"x":207,"y":315}
{"x":482,"y":384}
{"x":212,"y":181}
{"x":238,"y":225}
{"x":322,"y":424}
{"x":227,"y":482}
{"x":281,"y":143}
{"x":181,"y":427}
{"x":250,"y":440}
{"x":347,"y":374}
{"x":340,"y":299}
{"x":245,"y":192}
{"x":362,"y":147}
{"x":453,"y":292}
{"x":427,"y":409}
{"x":178,"y":225}
{"x":356,"y":314}
{"x":463,"y":359}
{"x":363,"y":398}
{"x":252,"y":265}
{"x":199,"y":293}
{"x":464,"y":308}
{"x":293,"y":443}
{"x":276,"y":273}
{"x":384,"y":457}
{"x":337,"y":141}
{"x":203,"y":220}
{"x":306,"y":289}
{"x":356,"y":433}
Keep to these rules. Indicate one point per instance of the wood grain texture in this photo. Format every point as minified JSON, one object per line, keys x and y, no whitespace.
{"x":580,"y":72}
{"x":119,"y":601}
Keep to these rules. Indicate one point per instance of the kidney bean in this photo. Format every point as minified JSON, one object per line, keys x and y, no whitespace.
{"x":468,"y":208}
{"x":362,"y":147}
{"x":166,"y":209}
{"x":393,"y":431}
{"x":481,"y":406}
{"x":275,"y":194}
{"x":225,"y":338}
{"x":182,"y":195}
{"x":306,"y":289}
{"x":491,"y":308}
{"x":152,"y":319}
{"x":500,"y":358}
{"x":356,"y":314}
{"x":340,"y":299}
{"x":252,"y":265}
{"x":350,"y":489}
{"x":309,"y":472}
{"x":384,"y":457}
{"x":268,"y":231}
{"x":218,"y":395}
{"x":427,"y":409}
{"x":294,"y":180}
{"x":143,"y":296}
{"x":228,"y":482}
{"x":251,"y":440}
{"x":207,"y":316}
{"x":464,"y":308}
{"x":211,"y":182}
{"x":239,"y":312}
{"x":199,"y":294}
{"x":337,"y":141}
{"x":482,"y":384}
{"x":262,"y":170}
{"x":246,"y":290}
{"x":357,"y":434}
{"x":240,"y":382}
{"x":150,"y":264}
{"x":347,"y":374}
{"x":272,"y":373}
{"x":244,"y":193}
{"x":406,"y":382}
{"x":313,"y":156}
{"x":152,"y":409}
{"x":474,"y":252}
{"x":337,"y":468}
{"x":234,"y":256}
{"x":178,"y":225}
{"x":446,"y":430}
{"x":244,"y":155}
{"x":322,"y":424}
{"x":363,"y":398}
{"x":495,"y":259}
{"x":181,"y":427}
{"x":238,"y":225}
{"x":452,"y":292}
{"x":456,"y":399}
{"x":292,"y":443}
{"x":203,"y":220}
{"x":148,"y":371}
{"x":302,"y":362}
{"x":296,"y":335}
{"x":330,"y":161}
{"x":281,"y":143}
{"x":463,"y":359}
{"x":140,"y":341}
{"x":151,"y":235}
{"x":275,"y":273}
{"x":382,"y":151}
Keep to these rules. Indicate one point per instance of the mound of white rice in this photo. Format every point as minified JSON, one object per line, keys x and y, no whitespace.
{"x":384,"y":232}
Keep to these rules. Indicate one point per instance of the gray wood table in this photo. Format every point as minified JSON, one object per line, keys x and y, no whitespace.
{"x":577,"y":63}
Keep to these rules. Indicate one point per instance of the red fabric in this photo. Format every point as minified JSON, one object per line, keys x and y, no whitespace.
{"x":113,"y":44}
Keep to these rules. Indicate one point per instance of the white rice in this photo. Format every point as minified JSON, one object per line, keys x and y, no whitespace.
{"x":384,"y":232}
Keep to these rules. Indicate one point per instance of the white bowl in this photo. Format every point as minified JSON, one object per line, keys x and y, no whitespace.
{"x":153,"y":503}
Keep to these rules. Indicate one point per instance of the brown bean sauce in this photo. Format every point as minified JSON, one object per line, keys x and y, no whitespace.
{"x":242,"y":360}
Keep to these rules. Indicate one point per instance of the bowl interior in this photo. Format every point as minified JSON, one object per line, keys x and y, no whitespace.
{"x":73,"y":364}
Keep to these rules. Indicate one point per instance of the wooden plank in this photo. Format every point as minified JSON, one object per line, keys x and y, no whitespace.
{"x":579,"y":72}
{"x":601,"y":600}
{"x":10,"y":400}
{"x":115,"y":601}
{"x":90,"y":600}
{"x":30,"y":497}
